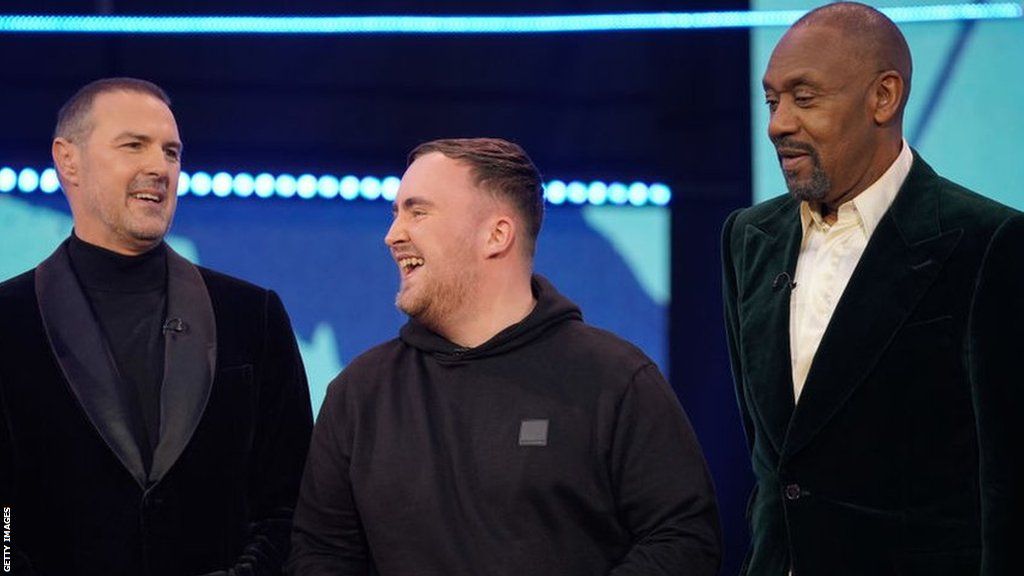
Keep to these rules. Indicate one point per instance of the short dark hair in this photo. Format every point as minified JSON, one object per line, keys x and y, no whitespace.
{"x":504,"y":169}
{"x":73,"y":117}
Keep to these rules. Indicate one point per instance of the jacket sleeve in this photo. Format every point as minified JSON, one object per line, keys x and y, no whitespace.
{"x":328,"y":536}
{"x":996,"y":346}
{"x":662,"y":487}
{"x":730,"y":298}
{"x":280,"y":446}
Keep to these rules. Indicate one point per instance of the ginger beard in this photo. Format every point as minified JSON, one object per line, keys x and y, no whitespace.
{"x":438,"y":289}
{"x":442,"y":225}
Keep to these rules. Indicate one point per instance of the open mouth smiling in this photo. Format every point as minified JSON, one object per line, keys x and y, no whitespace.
{"x":147,"y":197}
{"x":409,"y":263}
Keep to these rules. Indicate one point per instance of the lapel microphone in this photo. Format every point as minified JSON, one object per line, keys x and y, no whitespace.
{"x":176,"y":325}
{"x":783,"y":280}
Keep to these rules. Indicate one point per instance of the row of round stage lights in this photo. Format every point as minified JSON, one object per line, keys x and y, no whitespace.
{"x":307,"y":186}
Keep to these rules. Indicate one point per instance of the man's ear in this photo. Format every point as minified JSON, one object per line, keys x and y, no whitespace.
{"x":65,"y":160}
{"x":887,"y":97}
{"x":501,"y":236}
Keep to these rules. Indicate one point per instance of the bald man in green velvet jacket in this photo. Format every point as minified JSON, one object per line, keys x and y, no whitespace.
{"x":874,"y":318}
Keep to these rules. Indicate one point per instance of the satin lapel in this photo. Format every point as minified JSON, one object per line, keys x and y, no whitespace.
{"x":189,"y":362}
{"x":902,"y":259}
{"x":81,"y":350}
{"x":770,"y":248}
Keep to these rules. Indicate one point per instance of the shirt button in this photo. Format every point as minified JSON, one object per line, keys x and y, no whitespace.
{"x":792,"y":492}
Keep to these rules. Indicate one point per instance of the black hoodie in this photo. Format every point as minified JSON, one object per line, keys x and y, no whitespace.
{"x":553,"y":448}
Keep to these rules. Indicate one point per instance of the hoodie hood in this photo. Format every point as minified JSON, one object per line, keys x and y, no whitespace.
{"x":551,"y":310}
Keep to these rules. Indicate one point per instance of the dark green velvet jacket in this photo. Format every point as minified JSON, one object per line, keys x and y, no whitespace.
{"x":879,"y":469}
{"x":235,"y":427}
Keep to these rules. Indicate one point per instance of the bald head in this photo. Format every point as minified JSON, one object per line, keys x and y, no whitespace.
{"x":866,"y":32}
{"x":836,"y":87}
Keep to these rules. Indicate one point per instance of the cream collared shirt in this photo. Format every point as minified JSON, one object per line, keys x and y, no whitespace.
{"x":828,"y":256}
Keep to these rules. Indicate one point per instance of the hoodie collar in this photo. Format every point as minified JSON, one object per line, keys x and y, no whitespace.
{"x":552,"y":308}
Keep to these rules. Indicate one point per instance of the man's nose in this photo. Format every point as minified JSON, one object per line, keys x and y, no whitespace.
{"x":158,"y":164}
{"x":782,"y":122}
{"x":396,"y":232}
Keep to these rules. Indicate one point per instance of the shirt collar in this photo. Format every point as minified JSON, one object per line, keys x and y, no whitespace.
{"x":874,"y":201}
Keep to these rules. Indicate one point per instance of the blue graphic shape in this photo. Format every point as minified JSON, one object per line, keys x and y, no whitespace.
{"x":642,"y":237}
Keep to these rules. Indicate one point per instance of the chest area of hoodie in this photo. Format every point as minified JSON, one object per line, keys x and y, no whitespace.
{"x":516,"y":434}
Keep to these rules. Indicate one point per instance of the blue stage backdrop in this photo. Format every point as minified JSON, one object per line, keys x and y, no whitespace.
{"x":327,"y":260}
{"x":680,"y":106}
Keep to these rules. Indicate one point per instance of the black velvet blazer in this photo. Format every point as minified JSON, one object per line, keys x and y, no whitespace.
{"x":879,"y":470}
{"x":235,"y":426}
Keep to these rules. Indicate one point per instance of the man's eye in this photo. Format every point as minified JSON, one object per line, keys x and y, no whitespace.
{"x":803,"y":99}
{"x":772,"y":104}
{"x":133,"y":145}
{"x":173,"y":154}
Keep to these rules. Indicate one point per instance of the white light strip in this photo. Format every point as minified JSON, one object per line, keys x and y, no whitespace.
{"x":308,"y":187}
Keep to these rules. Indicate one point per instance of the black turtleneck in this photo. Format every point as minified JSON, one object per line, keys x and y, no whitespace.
{"x":129,"y":297}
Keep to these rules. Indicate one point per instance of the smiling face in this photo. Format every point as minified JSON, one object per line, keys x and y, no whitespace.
{"x":437,"y":238}
{"x":818,"y":88}
{"x":121,"y":176}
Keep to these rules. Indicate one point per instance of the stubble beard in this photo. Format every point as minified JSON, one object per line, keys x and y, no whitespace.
{"x":144,"y":232}
{"x":140,"y":228}
{"x":437,"y":300}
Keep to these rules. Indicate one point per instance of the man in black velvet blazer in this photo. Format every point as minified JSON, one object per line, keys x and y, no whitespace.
{"x":152,"y":431}
{"x":874,"y":318}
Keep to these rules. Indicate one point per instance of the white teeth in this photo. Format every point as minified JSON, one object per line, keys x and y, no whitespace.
{"x":149,"y":197}
{"x":410,"y":262}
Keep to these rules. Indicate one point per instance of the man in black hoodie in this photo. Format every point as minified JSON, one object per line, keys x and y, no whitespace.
{"x":498,"y":434}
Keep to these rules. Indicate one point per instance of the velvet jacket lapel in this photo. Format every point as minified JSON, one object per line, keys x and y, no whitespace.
{"x":88,"y":366}
{"x":190,"y":358}
{"x":770,"y":248}
{"x":902,"y":259}
{"x":81,"y":351}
